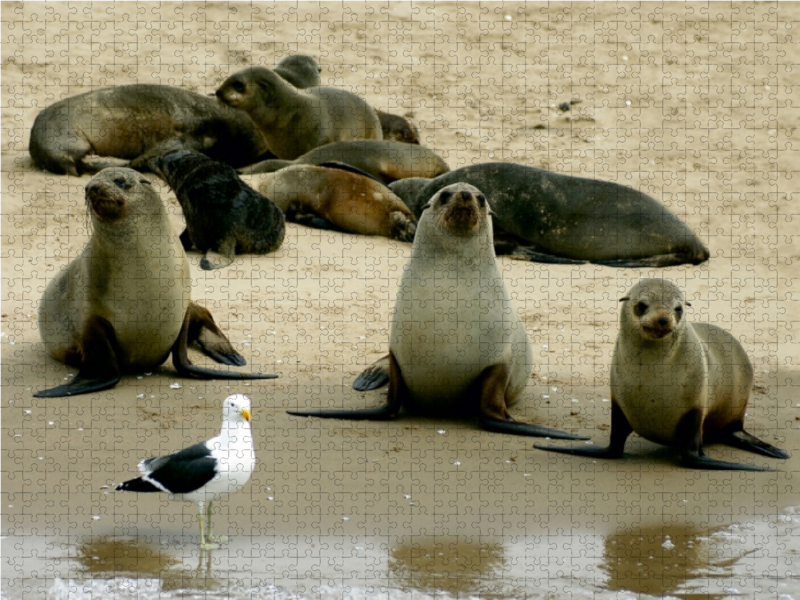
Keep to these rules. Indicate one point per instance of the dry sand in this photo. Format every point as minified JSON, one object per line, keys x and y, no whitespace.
{"x":692,"y":104}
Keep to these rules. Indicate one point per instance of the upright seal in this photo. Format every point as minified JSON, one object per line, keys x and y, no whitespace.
{"x":295,"y":121}
{"x":676,"y":383}
{"x":124,"y":303}
{"x":456,"y":339}
{"x":549,"y":217}
{"x":129,"y":120}
{"x":223,"y":214}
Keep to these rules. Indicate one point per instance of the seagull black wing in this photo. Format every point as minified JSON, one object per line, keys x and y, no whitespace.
{"x":179,"y":473}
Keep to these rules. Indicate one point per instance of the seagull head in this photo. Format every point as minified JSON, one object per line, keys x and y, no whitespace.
{"x":237,"y":405}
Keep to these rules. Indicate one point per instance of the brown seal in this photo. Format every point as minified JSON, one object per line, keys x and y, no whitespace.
{"x":130,"y":120}
{"x":348,"y":201}
{"x":295,"y":121}
{"x":124,"y":303}
{"x":549,"y":217}
{"x":303,"y":71}
{"x":456,"y":337}
{"x":223,"y":214}
{"x":677,"y":383}
{"x":383,"y":159}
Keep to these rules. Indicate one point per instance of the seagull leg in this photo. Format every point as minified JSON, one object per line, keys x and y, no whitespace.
{"x":214,"y":541}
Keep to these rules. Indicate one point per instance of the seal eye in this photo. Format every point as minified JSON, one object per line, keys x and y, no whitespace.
{"x":679,"y":311}
{"x":122,"y":182}
{"x":640,"y":309}
{"x":444,"y":197}
{"x":238,"y":86}
{"x":147,"y":181}
{"x":481,"y":200}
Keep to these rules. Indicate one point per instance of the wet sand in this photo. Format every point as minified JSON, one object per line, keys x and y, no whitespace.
{"x":672,"y":103}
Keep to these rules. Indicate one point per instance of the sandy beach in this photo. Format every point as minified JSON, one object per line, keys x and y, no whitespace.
{"x":690,"y":103}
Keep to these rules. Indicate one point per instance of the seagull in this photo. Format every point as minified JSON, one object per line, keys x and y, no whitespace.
{"x":205,"y":472}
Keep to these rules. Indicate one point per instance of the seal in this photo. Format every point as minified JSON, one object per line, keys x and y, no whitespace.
{"x":676,"y":383}
{"x":130,"y":120}
{"x":384,"y":159}
{"x":124,"y":304}
{"x":303,"y":72}
{"x":295,"y":121}
{"x":548,"y":217}
{"x":336,"y":198}
{"x":456,"y":339}
{"x":223,"y":214}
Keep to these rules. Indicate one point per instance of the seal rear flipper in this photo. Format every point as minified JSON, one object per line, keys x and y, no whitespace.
{"x":745,"y":441}
{"x":218,"y":259}
{"x":494,"y":414}
{"x":692,"y":456}
{"x":397,"y":393}
{"x":620,"y":431}
{"x":99,"y":367}
{"x":199,"y":328}
{"x":374,"y":376}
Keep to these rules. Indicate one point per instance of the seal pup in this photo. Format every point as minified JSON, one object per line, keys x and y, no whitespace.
{"x":295,"y":121}
{"x":676,"y":383}
{"x":124,"y":304}
{"x":338,"y":198}
{"x":385,"y":159}
{"x":129,"y":120}
{"x":456,"y":338}
{"x":223,"y":214}
{"x":548,"y":217}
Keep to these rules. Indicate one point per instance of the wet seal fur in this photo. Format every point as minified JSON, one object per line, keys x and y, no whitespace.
{"x":296,"y":121}
{"x":676,"y":383}
{"x":339,"y":199}
{"x":456,"y":340}
{"x":124,"y":304}
{"x":129,"y":120}
{"x":223,"y":214}
{"x":387,"y":160}
{"x":548,"y":217}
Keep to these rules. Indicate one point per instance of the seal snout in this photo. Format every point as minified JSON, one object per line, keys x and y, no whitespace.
{"x":462,"y":209}
{"x":106,"y":193}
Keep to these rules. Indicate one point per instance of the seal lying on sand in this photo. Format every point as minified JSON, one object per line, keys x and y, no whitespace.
{"x":295,"y":121}
{"x":548,"y":217}
{"x":124,"y":303}
{"x":456,"y":337}
{"x":347,"y":201}
{"x":384,"y":159}
{"x":676,"y":383}
{"x":128,"y":120}
{"x":223,"y":214}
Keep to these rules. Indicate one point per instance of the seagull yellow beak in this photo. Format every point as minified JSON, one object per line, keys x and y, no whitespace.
{"x":246,"y":414}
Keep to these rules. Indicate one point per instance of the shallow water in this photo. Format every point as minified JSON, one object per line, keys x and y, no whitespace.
{"x":746,"y":560}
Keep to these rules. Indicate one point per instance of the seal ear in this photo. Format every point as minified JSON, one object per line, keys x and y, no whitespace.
{"x":426,"y":207}
{"x":688,"y":303}
{"x":625,"y":298}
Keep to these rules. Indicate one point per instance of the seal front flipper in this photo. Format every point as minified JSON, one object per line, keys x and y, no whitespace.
{"x":199,"y":329}
{"x":99,"y":368}
{"x":692,"y":456}
{"x":660,"y":260}
{"x":620,"y":431}
{"x":374,"y":376}
{"x":494,"y":414}
{"x":741,"y":439}
{"x":398,"y":392}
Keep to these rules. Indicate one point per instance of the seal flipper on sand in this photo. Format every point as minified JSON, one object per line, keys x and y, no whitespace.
{"x":99,"y":369}
{"x":494,"y":415}
{"x":199,"y":329}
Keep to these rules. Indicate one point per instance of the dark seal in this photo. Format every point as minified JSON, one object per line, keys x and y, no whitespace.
{"x":223,"y":214}
{"x":548,"y":217}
